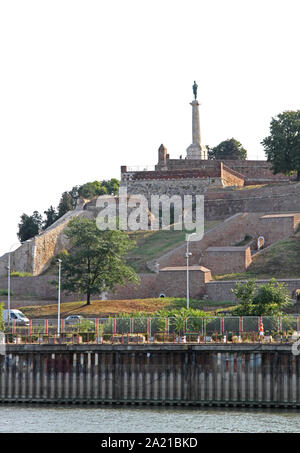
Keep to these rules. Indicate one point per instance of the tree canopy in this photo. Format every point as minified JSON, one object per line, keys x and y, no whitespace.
{"x":229,"y":149}
{"x":65,"y":204}
{"x":51,"y":216}
{"x":260,"y":300}
{"x":29,"y":226}
{"x":282,"y":146}
{"x":92,"y":189}
{"x":96,"y":261}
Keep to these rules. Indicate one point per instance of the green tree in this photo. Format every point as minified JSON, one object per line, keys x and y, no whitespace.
{"x":92,"y":189}
{"x":261,"y":300}
{"x":74,"y":194}
{"x":244,"y":292}
{"x":29,"y":226}
{"x":112,"y":186}
{"x":282,"y":146}
{"x":51,"y":217}
{"x":271,"y":298}
{"x":229,"y":149}
{"x":96,"y":262}
{"x":96,"y":188}
{"x":65,"y":204}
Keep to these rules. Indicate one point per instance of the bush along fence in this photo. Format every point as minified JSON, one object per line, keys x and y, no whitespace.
{"x":157,"y":329}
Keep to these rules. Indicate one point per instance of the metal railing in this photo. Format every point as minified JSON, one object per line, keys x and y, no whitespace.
{"x":155,"y":329}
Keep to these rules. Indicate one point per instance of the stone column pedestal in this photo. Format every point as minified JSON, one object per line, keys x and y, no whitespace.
{"x":196,"y":150}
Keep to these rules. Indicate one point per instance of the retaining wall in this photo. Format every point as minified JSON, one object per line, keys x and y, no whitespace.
{"x":221,"y":375}
{"x":221,"y":290}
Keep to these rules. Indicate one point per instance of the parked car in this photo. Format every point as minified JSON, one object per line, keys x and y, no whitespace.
{"x":73,"y":319}
{"x":17,"y":316}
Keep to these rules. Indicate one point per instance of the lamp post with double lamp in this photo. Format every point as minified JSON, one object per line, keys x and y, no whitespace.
{"x":8,"y":280}
{"x":59,"y":284}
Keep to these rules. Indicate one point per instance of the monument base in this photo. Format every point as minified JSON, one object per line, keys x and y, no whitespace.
{"x":196,"y":152}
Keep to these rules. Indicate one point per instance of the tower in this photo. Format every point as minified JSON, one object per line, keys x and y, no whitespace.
{"x":196,"y":150}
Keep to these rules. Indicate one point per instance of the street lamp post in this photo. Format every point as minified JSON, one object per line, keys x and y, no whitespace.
{"x":59,"y":284}
{"x":187,"y":255}
{"x":8,"y":281}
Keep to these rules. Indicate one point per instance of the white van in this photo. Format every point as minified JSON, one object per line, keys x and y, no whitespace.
{"x":17,"y":316}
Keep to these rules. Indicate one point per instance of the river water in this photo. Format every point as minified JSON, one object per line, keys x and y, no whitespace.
{"x":85,"y":419}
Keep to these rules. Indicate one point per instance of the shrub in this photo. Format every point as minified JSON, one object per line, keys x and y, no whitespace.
{"x":4,"y":292}
{"x":20,"y":274}
{"x":2,"y":325}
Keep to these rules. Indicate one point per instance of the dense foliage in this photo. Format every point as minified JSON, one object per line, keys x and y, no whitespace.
{"x":282,"y":146}
{"x":96,"y":262}
{"x":229,"y":149}
{"x":260,"y":300}
{"x":30,"y":226}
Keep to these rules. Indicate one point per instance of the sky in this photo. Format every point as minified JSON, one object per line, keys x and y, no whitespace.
{"x":87,"y":86}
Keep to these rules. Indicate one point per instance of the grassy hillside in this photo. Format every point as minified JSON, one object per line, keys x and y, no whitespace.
{"x":105,"y":308}
{"x":152,"y":244}
{"x":280,"y":260}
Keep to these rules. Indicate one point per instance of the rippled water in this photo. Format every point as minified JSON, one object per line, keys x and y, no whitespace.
{"x":70,"y":419}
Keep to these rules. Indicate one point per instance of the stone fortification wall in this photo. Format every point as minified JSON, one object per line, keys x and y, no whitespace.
{"x":170,"y":187}
{"x":230,"y":232}
{"x":222,"y":260}
{"x":170,"y":282}
{"x":222,"y":290}
{"x":35,"y":255}
{"x":267,"y":199}
{"x":254,"y":171}
{"x":180,"y":182}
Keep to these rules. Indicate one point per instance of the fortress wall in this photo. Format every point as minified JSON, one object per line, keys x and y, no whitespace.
{"x":254,"y":170}
{"x":170,"y":282}
{"x":228,"y":233}
{"x":171,"y":187}
{"x":39,"y":286}
{"x":273,"y":198}
{"x":221,"y":290}
{"x":47,"y":246}
{"x":35,"y":255}
{"x":231,"y":177}
{"x":224,"y":260}
{"x":21,"y":259}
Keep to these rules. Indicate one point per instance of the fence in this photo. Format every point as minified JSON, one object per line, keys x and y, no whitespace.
{"x":154,"y":329}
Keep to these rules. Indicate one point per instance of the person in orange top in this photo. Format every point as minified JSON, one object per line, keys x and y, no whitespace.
{"x":261,"y":331}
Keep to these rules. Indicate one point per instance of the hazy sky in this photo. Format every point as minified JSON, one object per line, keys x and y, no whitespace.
{"x":87,"y":86}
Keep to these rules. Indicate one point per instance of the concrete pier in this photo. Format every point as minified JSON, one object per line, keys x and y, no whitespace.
{"x":253,"y":375}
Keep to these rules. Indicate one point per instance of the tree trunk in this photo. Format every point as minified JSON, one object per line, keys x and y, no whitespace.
{"x":88,"y":298}
{"x":298,"y":175}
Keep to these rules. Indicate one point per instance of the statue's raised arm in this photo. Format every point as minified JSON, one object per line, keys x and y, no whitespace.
{"x":195,"y":88}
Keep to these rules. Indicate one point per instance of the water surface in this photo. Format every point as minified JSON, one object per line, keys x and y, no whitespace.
{"x":85,"y":419}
